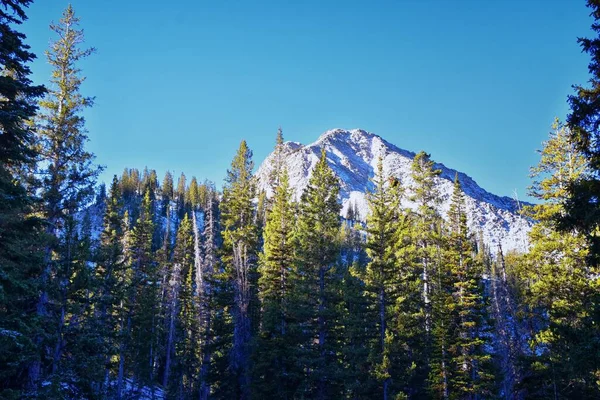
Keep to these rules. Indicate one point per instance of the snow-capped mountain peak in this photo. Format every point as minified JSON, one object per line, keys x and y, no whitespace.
{"x":353,"y":156}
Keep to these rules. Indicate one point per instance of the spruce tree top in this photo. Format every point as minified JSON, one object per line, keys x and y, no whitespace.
{"x":16,"y":88}
{"x":584,"y":119}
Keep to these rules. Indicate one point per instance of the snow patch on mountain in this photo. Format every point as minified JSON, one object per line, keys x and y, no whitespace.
{"x":353,"y":157}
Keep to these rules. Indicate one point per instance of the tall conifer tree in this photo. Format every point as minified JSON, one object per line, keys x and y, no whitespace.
{"x":68,"y":178}
{"x":166,"y":191}
{"x":426,"y":196}
{"x":183,"y":343}
{"x":563,"y":287}
{"x":583,"y":210}
{"x":317,"y":250}
{"x":382,"y":224}
{"x":207,"y":297}
{"x":144,"y":296}
{"x":112,"y":281}
{"x":426,"y":240}
{"x":471,"y":372}
{"x":273,"y":359}
{"x":239,"y":257}
{"x":19,"y":231}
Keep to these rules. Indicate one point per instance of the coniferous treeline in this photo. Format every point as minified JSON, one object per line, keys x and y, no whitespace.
{"x":177,"y":290}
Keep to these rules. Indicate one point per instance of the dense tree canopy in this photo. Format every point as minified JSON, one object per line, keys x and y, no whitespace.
{"x":179,"y":290}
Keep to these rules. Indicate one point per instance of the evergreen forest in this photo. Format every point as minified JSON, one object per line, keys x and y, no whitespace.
{"x":173,"y":287}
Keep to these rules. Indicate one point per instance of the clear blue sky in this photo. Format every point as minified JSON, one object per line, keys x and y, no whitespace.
{"x":179,"y":84}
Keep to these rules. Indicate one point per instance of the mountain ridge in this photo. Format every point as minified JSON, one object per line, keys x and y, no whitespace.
{"x":353,"y":154}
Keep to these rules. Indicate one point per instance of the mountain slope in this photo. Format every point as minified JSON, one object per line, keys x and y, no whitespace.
{"x":353,"y":157}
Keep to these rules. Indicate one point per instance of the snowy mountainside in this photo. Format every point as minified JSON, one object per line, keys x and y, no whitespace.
{"x":353,"y":156}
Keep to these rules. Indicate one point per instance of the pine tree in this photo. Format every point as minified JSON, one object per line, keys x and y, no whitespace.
{"x":180,"y":196}
{"x":441,"y":332}
{"x":181,"y":188}
{"x":425,"y":195}
{"x":187,"y":347}
{"x":101,"y":195}
{"x":17,"y":91}
{"x":125,"y":307}
{"x":164,"y":257}
{"x":277,"y":163}
{"x":352,"y":244}
{"x":426,"y":238}
{"x":129,"y":183}
{"x":112,"y":281}
{"x":208,"y":266}
{"x":193,"y":195}
{"x":149,"y":183}
{"x":583,"y":213}
{"x":167,"y":185}
{"x":239,"y":256}
{"x":317,"y":243}
{"x":80,"y":334}
{"x":261,"y":215}
{"x":471,"y":373}
{"x":182,"y":342}
{"x":74,"y":356}
{"x":166,"y":190}
{"x":561,"y":284}
{"x":381,"y":277}
{"x":143,"y":298}
{"x":273,"y":367}
{"x":68,"y":178}
{"x":356,"y":313}
{"x":19,"y":230}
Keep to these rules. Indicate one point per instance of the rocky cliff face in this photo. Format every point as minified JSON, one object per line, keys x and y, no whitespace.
{"x":353,"y":157}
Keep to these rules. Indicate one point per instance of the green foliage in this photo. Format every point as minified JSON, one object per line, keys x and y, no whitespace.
{"x":381,"y":278}
{"x":70,"y":176}
{"x":186,"y":349}
{"x":582,"y":207}
{"x":277,"y":163}
{"x":426,"y":248}
{"x":239,"y":256}
{"x":561,"y":288}
{"x":192,"y":196}
{"x":314,"y":276}
{"x":276,"y":299}
{"x":471,"y":373}
{"x":273,"y":360}
{"x":68,"y":180}
{"x":20,"y":253}
{"x":180,"y":196}
{"x":143,"y":296}
{"x":355,"y":315}
{"x":112,"y":279}
{"x":427,"y":224}
{"x":166,"y":191}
